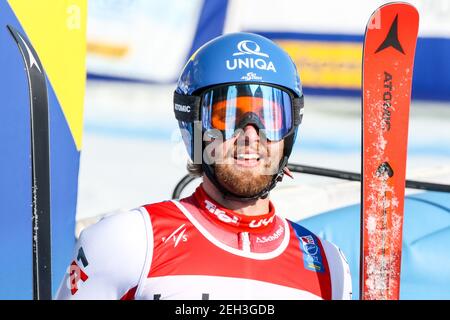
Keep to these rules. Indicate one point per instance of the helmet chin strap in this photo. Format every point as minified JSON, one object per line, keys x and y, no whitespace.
{"x":263,"y":194}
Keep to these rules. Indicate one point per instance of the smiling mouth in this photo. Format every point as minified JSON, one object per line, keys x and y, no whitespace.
{"x":247,"y":156}
{"x":247,"y":159}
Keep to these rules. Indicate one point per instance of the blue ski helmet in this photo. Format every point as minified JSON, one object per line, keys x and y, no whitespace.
{"x":232,"y":60}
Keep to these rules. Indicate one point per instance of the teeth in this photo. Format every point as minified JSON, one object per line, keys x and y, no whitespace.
{"x":248,"y":156}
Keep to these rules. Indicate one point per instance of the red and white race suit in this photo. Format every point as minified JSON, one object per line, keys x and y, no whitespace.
{"x":196,"y":249}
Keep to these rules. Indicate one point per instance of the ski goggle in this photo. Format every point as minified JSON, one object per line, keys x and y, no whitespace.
{"x":231,"y":107}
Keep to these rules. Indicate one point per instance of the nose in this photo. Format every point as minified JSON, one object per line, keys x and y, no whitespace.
{"x":250,"y":134}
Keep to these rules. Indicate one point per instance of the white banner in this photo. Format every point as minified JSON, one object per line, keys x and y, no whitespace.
{"x":140,"y":39}
{"x":328,"y":16}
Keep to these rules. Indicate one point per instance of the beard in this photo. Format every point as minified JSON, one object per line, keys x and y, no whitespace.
{"x":241,"y":182}
{"x":246,"y":182}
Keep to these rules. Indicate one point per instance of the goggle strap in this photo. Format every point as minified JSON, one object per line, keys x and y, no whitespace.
{"x":186,"y":108}
{"x":298,"y":110}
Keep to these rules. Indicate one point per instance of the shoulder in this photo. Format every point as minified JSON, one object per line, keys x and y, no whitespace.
{"x":111,"y":255}
{"x":339,"y":271}
{"x":117,"y":238}
{"x":332,"y":252}
{"x":338,"y":266}
{"x":164,"y":208}
{"x":125,"y":228}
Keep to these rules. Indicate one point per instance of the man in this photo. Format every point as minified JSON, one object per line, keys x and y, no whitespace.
{"x":239,"y":104}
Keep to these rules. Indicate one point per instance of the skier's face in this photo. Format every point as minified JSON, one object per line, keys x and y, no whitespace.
{"x":247,"y":161}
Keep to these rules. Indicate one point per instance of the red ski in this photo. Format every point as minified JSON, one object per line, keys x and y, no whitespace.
{"x":388,"y":59}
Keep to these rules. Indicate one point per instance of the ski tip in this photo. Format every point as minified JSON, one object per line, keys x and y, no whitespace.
{"x":406,"y":10}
